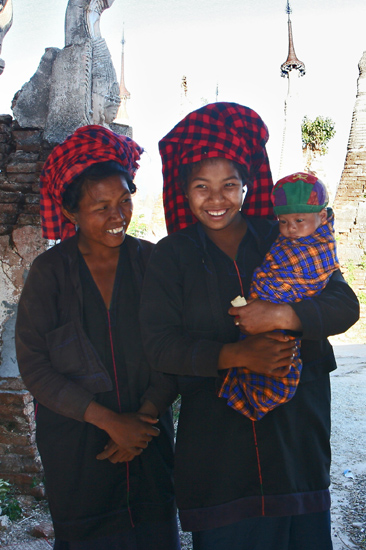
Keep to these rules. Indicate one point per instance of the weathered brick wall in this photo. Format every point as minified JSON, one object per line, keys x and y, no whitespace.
{"x":19,"y":460}
{"x":22,"y":154}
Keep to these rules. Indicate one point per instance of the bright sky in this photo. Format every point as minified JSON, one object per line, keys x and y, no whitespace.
{"x":238,"y":45}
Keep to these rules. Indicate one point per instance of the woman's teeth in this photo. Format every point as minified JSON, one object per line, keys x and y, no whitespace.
{"x":216,"y":213}
{"x":116,"y":230}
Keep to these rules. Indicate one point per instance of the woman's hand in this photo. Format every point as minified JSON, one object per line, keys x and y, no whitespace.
{"x":260,"y":316}
{"x":131,"y":432}
{"x":115,"y":454}
{"x":125,"y":450}
{"x":270,"y":353}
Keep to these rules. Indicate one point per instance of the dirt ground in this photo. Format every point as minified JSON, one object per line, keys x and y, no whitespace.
{"x":348,"y":472}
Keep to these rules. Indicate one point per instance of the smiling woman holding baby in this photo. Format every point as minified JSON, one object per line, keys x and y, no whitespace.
{"x":240,"y":484}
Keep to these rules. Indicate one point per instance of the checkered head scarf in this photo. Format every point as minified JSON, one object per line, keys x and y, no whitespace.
{"x":225,"y":130}
{"x":86,"y":146}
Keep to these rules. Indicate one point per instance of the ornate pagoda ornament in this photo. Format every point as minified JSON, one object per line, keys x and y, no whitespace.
{"x":292,"y":62}
{"x":185,"y":103}
{"x":124,"y":94}
{"x":291,"y":159}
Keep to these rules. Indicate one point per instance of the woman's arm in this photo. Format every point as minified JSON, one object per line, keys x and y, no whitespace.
{"x":270,"y":353}
{"x":333,"y":311}
{"x":169,"y":346}
{"x":261,"y":316}
{"x":37,"y":316}
{"x":161,"y":394}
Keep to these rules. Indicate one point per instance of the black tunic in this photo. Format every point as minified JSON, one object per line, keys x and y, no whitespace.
{"x":90,"y":498}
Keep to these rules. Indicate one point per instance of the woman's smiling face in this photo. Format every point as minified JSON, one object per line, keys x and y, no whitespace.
{"x":104,"y":213}
{"x":215,"y":193}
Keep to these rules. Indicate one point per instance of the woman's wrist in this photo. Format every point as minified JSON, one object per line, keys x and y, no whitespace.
{"x":99,"y":416}
{"x":149,"y":408}
{"x":287,"y":319}
{"x":228,"y":356}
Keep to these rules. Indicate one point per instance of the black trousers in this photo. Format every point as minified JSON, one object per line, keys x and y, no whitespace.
{"x":162,"y":535}
{"x":303,"y":532}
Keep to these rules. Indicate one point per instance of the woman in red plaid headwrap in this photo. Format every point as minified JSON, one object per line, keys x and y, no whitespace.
{"x":104,"y":437}
{"x":240,"y":484}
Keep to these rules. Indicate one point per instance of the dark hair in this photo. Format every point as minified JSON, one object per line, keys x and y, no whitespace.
{"x":94,"y":173}
{"x":186,"y":171}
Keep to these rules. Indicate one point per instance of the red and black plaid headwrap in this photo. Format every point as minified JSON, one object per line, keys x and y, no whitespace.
{"x":226,"y":130}
{"x":86,"y":146}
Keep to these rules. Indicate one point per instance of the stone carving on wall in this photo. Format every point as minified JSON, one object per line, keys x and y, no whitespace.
{"x":6,"y":20}
{"x":78,"y":84}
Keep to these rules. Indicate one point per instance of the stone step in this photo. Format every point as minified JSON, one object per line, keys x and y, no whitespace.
{"x":36,"y":545}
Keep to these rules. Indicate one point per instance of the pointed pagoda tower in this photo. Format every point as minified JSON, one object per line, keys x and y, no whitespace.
{"x":291,"y":159}
{"x":350,"y":200}
{"x":122,"y":116}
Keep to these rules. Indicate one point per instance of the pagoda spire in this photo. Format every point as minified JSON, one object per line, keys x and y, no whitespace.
{"x":291,"y":158}
{"x":123,"y":92}
{"x":292,"y":62}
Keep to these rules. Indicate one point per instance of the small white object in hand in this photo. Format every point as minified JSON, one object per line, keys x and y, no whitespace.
{"x":239,"y":301}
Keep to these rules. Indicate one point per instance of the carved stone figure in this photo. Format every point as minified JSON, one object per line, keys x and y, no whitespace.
{"x":6,"y":20}
{"x":79,"y":83}
{"x":82,"y":20}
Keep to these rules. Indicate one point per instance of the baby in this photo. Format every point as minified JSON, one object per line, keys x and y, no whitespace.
{"x":298,"y":266}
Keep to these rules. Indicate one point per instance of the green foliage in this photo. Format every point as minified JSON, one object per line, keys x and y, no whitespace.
{"x":137,"y":227}
{"x":8,"y":503}
{"x":362,"y":297}
{"x":176,"y":409}
{"x":362,"y":263}
{"x":36,"y":482}
{"x":12,"y":509}
{"x":317,"y":133}
{"x":350,"y":274}
{"x":4,"y":488}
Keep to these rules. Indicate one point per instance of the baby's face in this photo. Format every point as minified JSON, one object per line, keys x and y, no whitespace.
{"x":294,"y":226}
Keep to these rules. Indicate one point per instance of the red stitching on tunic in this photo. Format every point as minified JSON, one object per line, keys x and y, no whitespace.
{"x":114,"y":361}
{"x":253,"y":423}
{"x":259,"y":465}
{"x":240,"y":282}
{"x":119,"y":408}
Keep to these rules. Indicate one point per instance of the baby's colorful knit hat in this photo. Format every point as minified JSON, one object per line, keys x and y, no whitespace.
{"x":297,"y":193}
